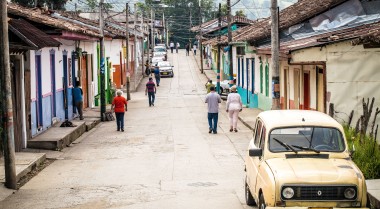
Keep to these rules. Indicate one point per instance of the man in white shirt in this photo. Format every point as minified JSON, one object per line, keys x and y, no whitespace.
{"x":171,"y":46}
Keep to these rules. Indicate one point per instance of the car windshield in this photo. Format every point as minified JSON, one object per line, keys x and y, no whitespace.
{"x":315,"y":139}
{"x":159,"y":49}
{"x":164,"y":64}
{"x":156,"y":59}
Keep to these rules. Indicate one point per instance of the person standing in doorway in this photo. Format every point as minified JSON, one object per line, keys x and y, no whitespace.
{"x":157,"y":75}
{"x":78,"y":99}
{"x":118,"y":104}
{"x":151,"y":91}
{"x":171,"y":46}
{"x":177,"y":47}
{"x":213,"y":99}
{"x":195,"y":49}
{"x":233,"y":107}
{"x":187,"y":49}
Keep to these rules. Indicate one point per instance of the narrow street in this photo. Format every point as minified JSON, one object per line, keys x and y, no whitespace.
{"x":165,"y":159}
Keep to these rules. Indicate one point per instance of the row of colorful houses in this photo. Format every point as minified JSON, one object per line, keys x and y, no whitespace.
{"x":329,"y":54}
{"x":52,"y":51}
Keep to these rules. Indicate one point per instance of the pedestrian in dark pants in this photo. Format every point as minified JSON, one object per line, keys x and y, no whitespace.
{"x":157,"y":75}
{"x":213,"y":99}
{"x":78,"y":99}
{"x":151,"y":91}
{"x":195,"y":49}
{"x":187,"y":49}
{"x":118,"y":104}
{"x":171,"y":46}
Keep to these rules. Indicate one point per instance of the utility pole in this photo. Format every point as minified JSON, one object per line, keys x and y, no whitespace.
{"x":218,"y":64}
{"x":102,"y":64}
{"x":275,"y":56}
{"x":128,"y":79}
{"x":6,"y":111}
{"x":142,"y":42}
{"x":230,"y":40}
{"x":135,"y":47}
{"x":152,"y":30}
{"x":200,"y":34}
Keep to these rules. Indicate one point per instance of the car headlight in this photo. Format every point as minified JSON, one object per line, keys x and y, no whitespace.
{"x":288,"y":193}
{"x":350,"y":193}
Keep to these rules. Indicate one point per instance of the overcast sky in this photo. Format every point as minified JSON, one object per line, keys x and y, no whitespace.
{"x":253,"y":8}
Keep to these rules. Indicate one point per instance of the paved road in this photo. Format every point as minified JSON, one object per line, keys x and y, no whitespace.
{"x":165,"y":159}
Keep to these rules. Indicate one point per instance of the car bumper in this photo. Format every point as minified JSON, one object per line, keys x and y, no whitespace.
{"x":311,"y":208}
{"x":169,"y":74}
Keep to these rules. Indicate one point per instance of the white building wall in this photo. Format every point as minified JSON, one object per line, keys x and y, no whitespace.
{"x":113,"y":49}
{"x":30,"y":64}
{"x":352,"y":74}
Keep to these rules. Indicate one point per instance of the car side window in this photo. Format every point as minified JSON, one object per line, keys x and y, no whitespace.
{"x":262,"y":138}
{"x":257,"y":133}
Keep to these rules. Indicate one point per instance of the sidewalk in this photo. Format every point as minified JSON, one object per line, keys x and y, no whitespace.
{"x":31,"y":158}
{"x":248,"y":118}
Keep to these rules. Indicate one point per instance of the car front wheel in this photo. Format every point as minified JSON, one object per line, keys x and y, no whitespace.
{"x":262,"y":202}
{"x":248,"y":196}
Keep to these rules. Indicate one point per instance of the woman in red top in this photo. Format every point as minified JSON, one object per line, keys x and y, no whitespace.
{"x":118,"y":104}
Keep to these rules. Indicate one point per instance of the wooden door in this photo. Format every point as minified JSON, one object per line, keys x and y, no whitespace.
{"x":27,"y":86}
{"x":306,"y":91}
{"x":296,"y":89}
{"x":286,"y":89}
{"x":16,"y":102}
{"x":83,"y":81}
{"x":90,"y":70}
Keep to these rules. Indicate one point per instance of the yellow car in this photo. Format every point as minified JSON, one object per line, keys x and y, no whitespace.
{"x":300,"y":159}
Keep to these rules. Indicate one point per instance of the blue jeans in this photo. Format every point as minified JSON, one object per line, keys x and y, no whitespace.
{"x":119,"y":120}
{"x":151,"y":97}
{"x":157,"y":79}
{"x":213,"y":117}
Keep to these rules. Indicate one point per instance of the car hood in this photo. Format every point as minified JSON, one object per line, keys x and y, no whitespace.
{"x":165,"y":68}
{"x":314,"y":170}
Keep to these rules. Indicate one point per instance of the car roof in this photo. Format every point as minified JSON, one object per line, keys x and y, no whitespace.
{"x":287,"y":118}
{"x":164,"y":62}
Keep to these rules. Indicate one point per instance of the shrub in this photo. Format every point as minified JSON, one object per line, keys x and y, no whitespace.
{"x":366,"y":155}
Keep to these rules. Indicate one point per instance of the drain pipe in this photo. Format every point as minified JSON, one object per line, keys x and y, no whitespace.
{"x":323,"y":63}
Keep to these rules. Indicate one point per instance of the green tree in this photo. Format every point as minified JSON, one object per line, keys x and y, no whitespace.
{"x":240,"y":13}
{"x":94,"y":5}
{"x":52,"y":4}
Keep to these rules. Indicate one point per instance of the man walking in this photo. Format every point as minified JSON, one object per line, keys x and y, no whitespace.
{"x":78,"y":99}
{"x":171,"y":46}
{"x":177,"y":47}
{"x":157,"y":74}
{"x":151,"y":91}
{"x":187,"y":49}
{"x":213,"y":99}
{"x":118,"y":104}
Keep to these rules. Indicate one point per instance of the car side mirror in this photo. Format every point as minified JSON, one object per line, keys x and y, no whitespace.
{"x":255,"y":152}
{"x":352,"y":151}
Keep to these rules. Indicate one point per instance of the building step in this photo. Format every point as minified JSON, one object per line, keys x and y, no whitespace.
{"x":57,"y":138}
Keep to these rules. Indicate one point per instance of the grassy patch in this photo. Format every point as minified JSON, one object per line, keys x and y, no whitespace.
{"x":366,"y":155}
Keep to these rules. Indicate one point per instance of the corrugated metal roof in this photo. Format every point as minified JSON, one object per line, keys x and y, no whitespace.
{"x":358,"y":34}
{"x":43,"y":17}
{"x":234,"y":19}
{"x":31,"y":35}
{"x":292,"y":15}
